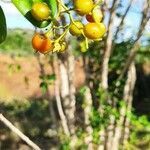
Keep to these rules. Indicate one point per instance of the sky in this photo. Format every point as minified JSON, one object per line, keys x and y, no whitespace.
{"x":14,"y":18}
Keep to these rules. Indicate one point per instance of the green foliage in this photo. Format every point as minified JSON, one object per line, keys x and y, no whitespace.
{"x":46,"y":80}
{"x":32,"y":118}
{"x":21,"y":46}
{"x":143,"y":55}
{"x":3,"y":27}
{"x":14,"y":68}
{"x":140,"y":132}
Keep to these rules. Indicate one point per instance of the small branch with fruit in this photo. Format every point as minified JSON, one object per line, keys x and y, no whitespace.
{"x":47,"y":15}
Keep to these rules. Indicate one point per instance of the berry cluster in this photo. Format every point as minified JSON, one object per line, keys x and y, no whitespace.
{"x":50,"y":41}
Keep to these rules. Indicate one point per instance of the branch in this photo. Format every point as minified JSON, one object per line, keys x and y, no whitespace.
{"x":122,"y":19}
{"x":18,"y":132}
{"x":108,"y":44}
{"x":58,"y":101}
{"x":144,"y":21}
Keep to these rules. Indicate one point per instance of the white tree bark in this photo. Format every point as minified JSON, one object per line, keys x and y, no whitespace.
{"x":19,"y":133}
{"x":59,"y":103}
{"x":87,"y":113}
{"x":68,"y":90}
{"x":128,"y":97}
{"x":72,"y":90}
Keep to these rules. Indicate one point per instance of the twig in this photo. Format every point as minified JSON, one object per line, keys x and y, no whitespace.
{"x":123,"y":18}
{"x":144,"y":21}
{"x":19,"y":133}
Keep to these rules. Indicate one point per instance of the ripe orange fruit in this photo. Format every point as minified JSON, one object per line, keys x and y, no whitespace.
{"x":76,"y":29}
{"x":41,"y":43}
{"x":94,"y":30}
{"x":83,"y":7}
{"x":40,"y":11}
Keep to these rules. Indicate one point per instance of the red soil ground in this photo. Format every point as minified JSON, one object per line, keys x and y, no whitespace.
{"x":12,"y":83}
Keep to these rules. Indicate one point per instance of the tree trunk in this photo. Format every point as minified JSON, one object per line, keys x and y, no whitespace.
{"x":87,"y":113}
{"x":67,"y":89}
{"x":72,"y":90}
{"x":128,"y":97}
{"x":58,"y":100}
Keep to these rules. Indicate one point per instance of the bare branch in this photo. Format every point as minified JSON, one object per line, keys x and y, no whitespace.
{"x":19,"y":133}
{"x":128,"y":97}
{"x":144,"y":21}
{"x":122,"y":19}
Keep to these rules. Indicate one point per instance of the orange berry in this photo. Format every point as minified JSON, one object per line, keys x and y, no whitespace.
{"x":41,"y":43}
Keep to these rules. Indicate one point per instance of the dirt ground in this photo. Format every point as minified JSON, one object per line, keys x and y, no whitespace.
{"x":24,"y":83}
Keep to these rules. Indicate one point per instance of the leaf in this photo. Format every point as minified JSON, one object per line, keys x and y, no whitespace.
{"x":51,"y":77}
{"x":25,"y":6}
{"x":44,"y":87}
{"x":3,"y":26}
{"x":53,"y":6}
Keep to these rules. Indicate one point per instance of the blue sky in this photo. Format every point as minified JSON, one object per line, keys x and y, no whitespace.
{"x":14,"y":18}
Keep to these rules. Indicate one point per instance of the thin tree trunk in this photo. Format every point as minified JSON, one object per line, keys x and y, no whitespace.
{"x":87,"y":113}
{"x":68,"y":89}
{"x":104,"y":73}
{"x":58,"y":100}
{"x":88,"y":104}
{"x":72,"y":98}
{"x":19,"y":133}
{"x":128,"y":97}
{"x":72,"y":90}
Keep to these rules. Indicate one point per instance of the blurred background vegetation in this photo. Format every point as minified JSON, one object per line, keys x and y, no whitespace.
{"x":27,"y":99}
{"x":31,"y":114}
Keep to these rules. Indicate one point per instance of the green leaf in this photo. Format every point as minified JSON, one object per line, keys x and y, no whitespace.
{"x":3,"y":26}
{"x":53,"y":6}
{"x":25,"y":6}
{"x":44,"y":87}
{"x":51,"y":77}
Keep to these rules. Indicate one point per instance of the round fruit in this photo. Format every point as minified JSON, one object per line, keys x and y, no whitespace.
{"x":83,"y":7}
{"x":76,"y":28}
{"x":41,"y":43}
{"x":94,"y":30}
{"x":40,"y":11}
{"x":97,"y":14}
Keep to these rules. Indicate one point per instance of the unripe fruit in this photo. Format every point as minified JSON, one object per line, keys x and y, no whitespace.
{"x":97,"y":14}
{"x":76,"y":28}
{"x":83,"y":7}
{"x":40,"y":11}
{"x":41,"y":43}
{"x":94,"y":31}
